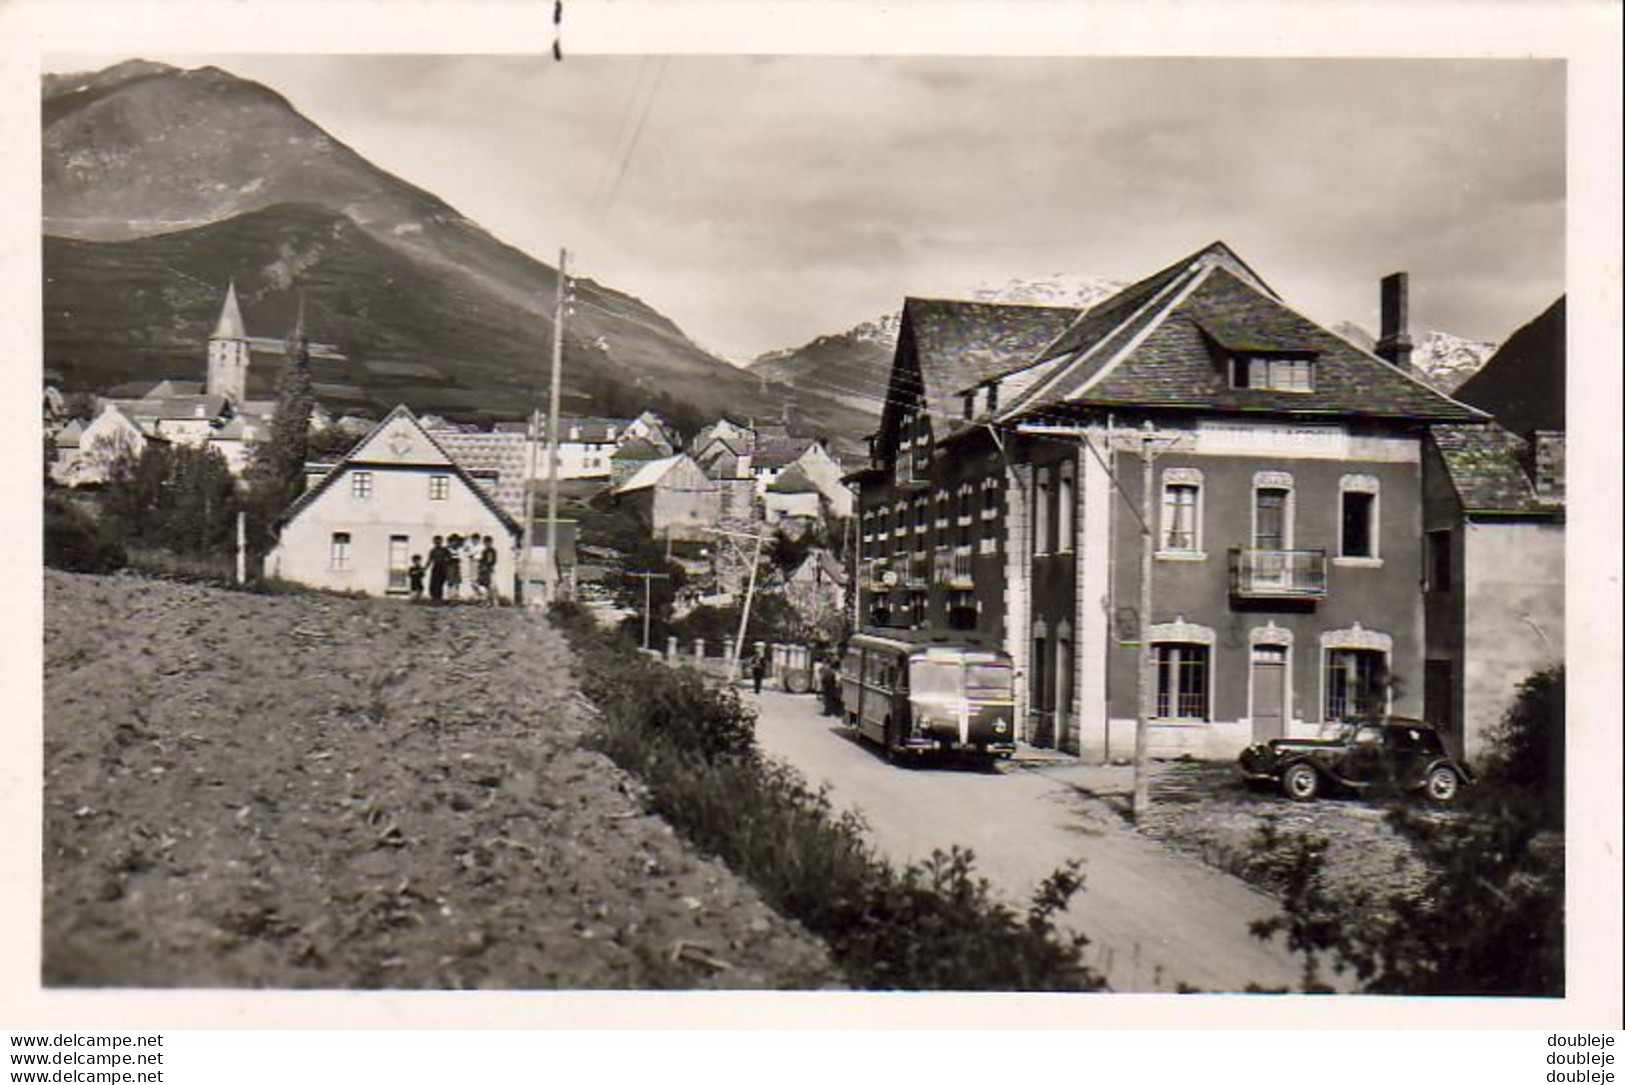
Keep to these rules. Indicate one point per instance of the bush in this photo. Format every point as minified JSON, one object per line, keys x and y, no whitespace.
{"x":1489,"y":920}
{"x":933,"y":925}
{"x":77,"y":542}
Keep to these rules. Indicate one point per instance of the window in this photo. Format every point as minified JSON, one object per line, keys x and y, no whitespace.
{"x":1182,"y":681}
{"x":338,"y":554}
{"x":1066,"y":513}
{"x":1273,"y":374}
{"x":1439,"y":561}
{"x":1358,"y":511}
{"x":439,"y":487}
{"x":1359,"y":517}
{"x":1181,"y":510}
{"x":1356,"y":683}
{"x":1041,"y":538}
{"x":1272,"y":511}
{"x":361,"y":485}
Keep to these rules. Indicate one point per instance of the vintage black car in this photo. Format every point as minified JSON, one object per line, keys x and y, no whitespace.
{"x":1397,"y":755}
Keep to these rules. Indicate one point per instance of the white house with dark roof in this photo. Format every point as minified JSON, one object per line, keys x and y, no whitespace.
{"x":359,"y":524}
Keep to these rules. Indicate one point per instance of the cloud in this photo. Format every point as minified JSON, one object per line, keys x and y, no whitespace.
{"x":770,"y":200}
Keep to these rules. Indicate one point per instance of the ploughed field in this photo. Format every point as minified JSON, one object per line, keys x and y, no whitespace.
{"x":315,"y":791}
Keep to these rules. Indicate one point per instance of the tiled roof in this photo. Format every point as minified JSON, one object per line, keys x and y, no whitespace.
{"x":957,"y":343}
{"x":1485,"y":466}
{"x":1169,"y":345}
{"x":780,"y":452}
{"x":649,"y":474}
{"x":502,"y":454}
{"x":793,"y":481}
{"x":639,"y":449}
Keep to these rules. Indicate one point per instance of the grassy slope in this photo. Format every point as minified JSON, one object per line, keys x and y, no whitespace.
{"x":321,"y":792}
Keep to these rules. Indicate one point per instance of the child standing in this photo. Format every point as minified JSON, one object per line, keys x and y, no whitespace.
{"x":414,"y":577}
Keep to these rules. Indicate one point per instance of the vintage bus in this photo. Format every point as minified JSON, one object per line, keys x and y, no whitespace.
{"x":917,"y":696}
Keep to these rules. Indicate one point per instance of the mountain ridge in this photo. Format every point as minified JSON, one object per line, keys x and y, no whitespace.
{"x":142,"y":151}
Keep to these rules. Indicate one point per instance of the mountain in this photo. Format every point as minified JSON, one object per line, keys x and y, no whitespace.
{"x":1523,"y":384}
{"x":160,"y":184}
{"x":853,"y":366}
{"x":1442,"y":359}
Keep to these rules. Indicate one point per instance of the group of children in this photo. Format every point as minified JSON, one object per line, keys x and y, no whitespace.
{"x":453,"y":563}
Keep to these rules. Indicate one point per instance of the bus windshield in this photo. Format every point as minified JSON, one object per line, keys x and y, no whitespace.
{"x":933,"y":678}
{"x":953,"y":678}
{"x":985,"y":681}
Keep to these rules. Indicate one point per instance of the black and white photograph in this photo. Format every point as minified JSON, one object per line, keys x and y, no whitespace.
{"x":742,"y":521}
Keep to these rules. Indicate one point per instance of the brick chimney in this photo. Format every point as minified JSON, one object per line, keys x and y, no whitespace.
{"x":1549,"y":448}
{"x":1394,"y":344}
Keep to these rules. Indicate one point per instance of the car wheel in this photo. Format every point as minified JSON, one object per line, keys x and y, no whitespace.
{"x":1443,"y":784}
{"x":1300,"y":783}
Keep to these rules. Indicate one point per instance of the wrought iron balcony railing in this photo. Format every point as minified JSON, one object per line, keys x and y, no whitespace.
{"x":1277,"y":574}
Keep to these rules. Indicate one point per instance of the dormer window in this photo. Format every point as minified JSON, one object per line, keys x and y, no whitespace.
{"x":1272,"y":373}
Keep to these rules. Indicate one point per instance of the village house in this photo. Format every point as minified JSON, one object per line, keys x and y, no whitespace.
{"x":86,"y":451}
{"x":792,"y":503}
{"x":634,"y":454}
{"x":1003,"y":504}
{"x":358,"y":525}
{"x":1493,"y":574}
{"x":585,"y":444}
{"x":673,"y":498}
{"x":816,"y":591}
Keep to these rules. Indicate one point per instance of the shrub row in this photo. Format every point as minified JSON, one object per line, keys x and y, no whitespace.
{"x":930,"y":926}
{"x":1490,"y":918}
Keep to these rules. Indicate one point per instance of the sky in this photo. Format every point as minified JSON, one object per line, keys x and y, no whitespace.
{"x":762,"y":201}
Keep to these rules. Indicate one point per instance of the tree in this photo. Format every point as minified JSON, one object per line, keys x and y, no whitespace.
{"x":175,"y":497}
{"x":278,"y":473}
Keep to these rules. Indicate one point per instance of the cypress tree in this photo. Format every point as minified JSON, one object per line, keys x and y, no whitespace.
{"x":279,"y":467}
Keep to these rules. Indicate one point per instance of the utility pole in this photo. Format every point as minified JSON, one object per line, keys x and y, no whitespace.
{"x":750,"y":593}
{"x":648,"y":585}
{"x":242,"y":546}
{"x":1148,"y":546}
{"x":553,"y":428}
{"x":533,"y":437}
{"x":1150,"y":443}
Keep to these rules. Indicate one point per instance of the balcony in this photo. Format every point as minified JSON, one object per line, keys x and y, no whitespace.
{"x":919,"y":571}
{"x":1277,"y":574}
{"x":942,"y":565}
{"x":964,"y":571}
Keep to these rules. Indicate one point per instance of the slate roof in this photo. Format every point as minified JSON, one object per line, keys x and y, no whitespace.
{"x":793,"y":481}
{"x":957,"y":343}
{"x":779,"y":452}
{"x":498,"y":462}
{"x":1170,"y":342}
{"x":639,"y":449}
{"x":1485,"y":467}
{"x":649,"y":474}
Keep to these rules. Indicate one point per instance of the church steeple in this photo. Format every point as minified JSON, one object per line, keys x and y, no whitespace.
{"x":228,"y":352}
{"x":230,"y":324}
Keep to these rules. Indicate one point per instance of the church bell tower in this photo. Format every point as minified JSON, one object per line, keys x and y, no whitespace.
{"x":228,"y":352}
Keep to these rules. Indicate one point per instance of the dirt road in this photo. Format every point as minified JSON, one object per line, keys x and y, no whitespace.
{"x":1156,"y":919}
